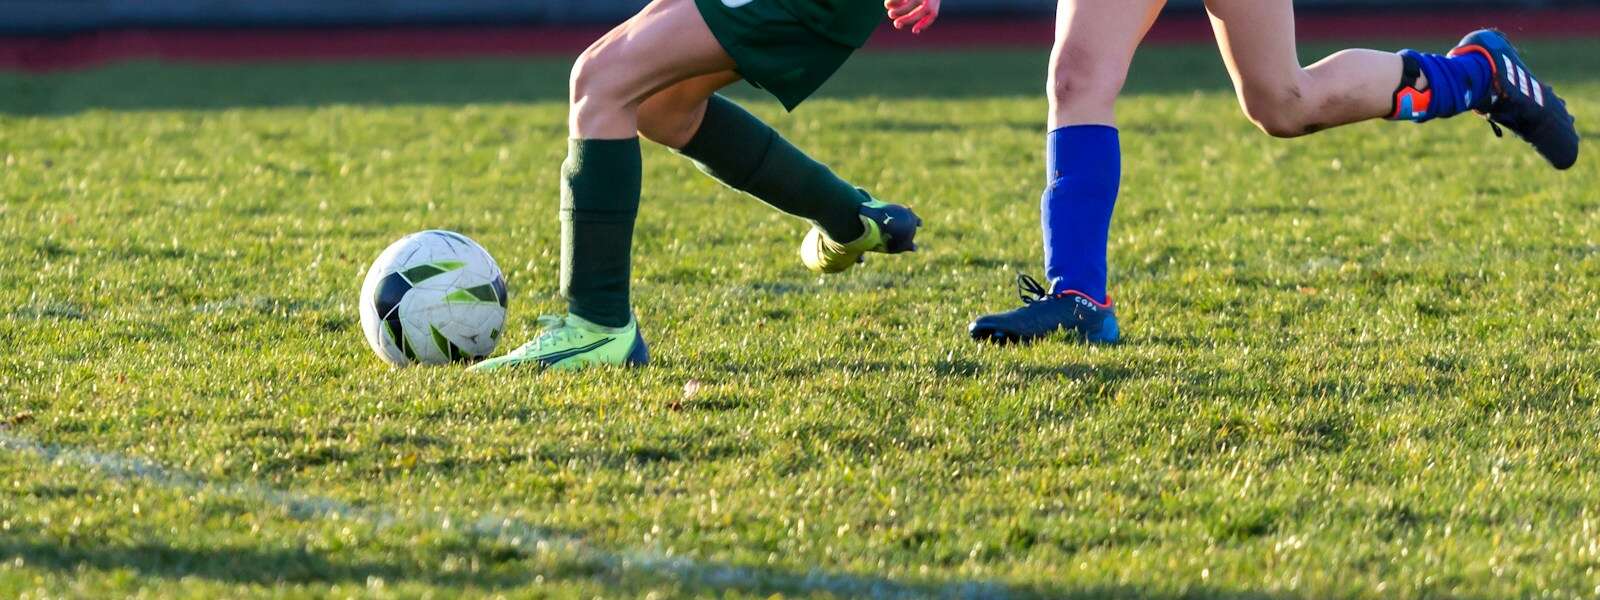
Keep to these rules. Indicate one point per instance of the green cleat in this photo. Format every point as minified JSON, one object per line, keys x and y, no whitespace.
{"x":890,"y":229}
{"x":570,"y":343}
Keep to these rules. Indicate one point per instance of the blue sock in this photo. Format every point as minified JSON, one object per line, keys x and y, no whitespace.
{"x":1456,"y":84}
{"x":1085,"y":163}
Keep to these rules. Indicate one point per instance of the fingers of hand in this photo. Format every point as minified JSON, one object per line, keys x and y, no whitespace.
{"x":926,"y":21}
{"x":902,"y":9}
{"x":910,"y":17}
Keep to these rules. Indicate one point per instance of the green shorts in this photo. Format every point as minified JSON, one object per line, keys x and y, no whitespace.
{"x":774,"y":49}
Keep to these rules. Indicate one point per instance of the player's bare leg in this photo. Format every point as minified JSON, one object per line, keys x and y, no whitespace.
{"x":664,"y":44}
{"x":1095,"y":42}
{"x":673,"y":115}
{"x":1094,"y":46}
{"x":1483,"y":73}
{"x":1281,"y":97}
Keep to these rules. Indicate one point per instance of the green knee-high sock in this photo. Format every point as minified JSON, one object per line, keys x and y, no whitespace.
{"x":739,"y":150}
{"x":599,"y":201}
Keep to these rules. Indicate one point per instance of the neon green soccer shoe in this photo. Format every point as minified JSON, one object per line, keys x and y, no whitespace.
{"x":572,"y":343}
{"x":891,"y":229}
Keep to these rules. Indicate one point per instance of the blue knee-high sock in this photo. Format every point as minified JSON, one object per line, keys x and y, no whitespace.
{"x":1085,"y":163}
{"x":1456,"y":84}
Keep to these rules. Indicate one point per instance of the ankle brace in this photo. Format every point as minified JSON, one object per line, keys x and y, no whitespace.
{"x":1410,"y":103}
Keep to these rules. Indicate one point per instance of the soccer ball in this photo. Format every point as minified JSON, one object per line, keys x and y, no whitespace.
{"x":433,"y":297}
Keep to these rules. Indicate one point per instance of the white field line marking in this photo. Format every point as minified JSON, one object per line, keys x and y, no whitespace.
{"x":528,"y":539}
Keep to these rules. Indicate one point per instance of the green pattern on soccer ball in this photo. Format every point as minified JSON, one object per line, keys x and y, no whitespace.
{"x":483,"y":294}
{"x":424,"y":272}
{"x":445,"y":345}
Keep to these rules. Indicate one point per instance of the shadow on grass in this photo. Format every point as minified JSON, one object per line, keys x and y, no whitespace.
{"x":512,"y":553}
{"x":964,"y":368}
{"x":249,"y":566}
{"x":967,"y":74}
{"x":264,"y":567}
{"x":1035,"y":374}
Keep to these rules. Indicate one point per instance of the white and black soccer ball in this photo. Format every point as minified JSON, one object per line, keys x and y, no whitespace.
{"x":433,"y":297}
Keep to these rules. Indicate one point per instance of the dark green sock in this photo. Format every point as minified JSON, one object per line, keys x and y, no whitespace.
{"x":741,"y":151}
{"x":599,"y":201}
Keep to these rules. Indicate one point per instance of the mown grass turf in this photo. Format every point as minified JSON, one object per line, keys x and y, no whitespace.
{"x":1358,"y":364}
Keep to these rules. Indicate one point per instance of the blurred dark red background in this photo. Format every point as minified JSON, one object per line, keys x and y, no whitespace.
{"x":46,"y":35}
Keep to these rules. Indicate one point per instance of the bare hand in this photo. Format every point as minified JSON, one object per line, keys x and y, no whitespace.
{"x":919,"y":14}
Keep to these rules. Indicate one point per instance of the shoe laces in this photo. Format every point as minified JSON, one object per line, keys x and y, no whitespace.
{"x":1498,"y":118}
{"x":1031,"y":291}
{"x":1495,"y":114}
{"x":552,"y":328}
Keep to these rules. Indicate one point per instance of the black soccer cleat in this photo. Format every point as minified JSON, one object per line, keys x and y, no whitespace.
{"x":1044,"y":314}
{"x":1520,"y":102}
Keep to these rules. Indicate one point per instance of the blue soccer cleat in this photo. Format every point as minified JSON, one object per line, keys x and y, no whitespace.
{"x":1044,"y":314}
{"x":1520,"y":102}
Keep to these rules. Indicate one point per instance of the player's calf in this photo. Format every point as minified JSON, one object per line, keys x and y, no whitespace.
{"x":741,"y":151}
{"x":672,"y":116}
{"x":1085,"y":167}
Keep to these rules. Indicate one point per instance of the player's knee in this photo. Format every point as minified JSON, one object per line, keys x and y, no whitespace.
{"x":1079,"y":85}
{"x":1279,"y":112}
{"x":1277,"y":125}
{"x":597,"y":77}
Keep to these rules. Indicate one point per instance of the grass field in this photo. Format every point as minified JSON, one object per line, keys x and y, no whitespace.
{"x":1360,"y":364}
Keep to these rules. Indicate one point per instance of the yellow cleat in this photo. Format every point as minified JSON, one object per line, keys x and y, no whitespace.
{"x":890,"y":229}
